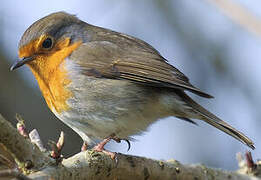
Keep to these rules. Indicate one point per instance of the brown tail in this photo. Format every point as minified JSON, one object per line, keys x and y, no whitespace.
{"x":216,"y":122}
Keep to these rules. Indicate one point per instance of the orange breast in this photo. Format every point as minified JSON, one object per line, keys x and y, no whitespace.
{"x":52,"y":76}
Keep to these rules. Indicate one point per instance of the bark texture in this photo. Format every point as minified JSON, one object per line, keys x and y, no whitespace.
{"x":37,"y":165}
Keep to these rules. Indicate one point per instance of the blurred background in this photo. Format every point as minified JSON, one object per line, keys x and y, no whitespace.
{"x":218,"y":52}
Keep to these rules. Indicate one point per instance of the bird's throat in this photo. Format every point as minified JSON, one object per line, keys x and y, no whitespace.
{"x":52,"y":77}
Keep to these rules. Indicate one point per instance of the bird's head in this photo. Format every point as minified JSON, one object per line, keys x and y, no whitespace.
{"x":49,"y":40}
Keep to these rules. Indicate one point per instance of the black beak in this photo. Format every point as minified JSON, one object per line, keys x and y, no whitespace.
{"x":19,"y":63}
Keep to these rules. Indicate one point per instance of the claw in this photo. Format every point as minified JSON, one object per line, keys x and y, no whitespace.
{"x":129,"y":144}
{"x":118,"y":140}
{"x":100,"y":146}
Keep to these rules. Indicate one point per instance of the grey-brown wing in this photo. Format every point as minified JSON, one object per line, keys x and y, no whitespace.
{"x":106,"y":59}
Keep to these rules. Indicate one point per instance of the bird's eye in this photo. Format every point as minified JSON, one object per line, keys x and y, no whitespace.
{"x":47,"y":43}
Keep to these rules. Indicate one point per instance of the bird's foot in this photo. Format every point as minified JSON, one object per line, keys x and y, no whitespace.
{"x":100,"y":147}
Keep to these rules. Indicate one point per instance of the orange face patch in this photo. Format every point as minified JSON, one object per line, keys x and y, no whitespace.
{"x":32,"y":47}
{"x":50,"y":72}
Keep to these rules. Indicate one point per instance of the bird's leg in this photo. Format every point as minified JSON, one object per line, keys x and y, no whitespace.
{"x":100,"y":147}
{"x":84,"y":146}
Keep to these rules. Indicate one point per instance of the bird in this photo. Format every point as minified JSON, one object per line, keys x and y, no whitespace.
{"x":105,"y":84}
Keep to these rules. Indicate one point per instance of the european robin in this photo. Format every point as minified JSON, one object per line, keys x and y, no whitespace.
{"x":107,"y":85}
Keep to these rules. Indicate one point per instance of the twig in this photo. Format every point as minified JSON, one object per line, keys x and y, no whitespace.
{"x":22,"y":150}
{"x":247,"y":165}
{"x":35,"y":139}
{"x":57,"y":147}
{"x":21,"y":126}
{"x":249,"y":161}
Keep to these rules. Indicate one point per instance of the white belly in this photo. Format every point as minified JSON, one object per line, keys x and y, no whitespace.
{"x":101,"y":107}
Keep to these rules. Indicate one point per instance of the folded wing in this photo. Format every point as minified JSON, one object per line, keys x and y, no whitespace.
{"x":104,"y":59}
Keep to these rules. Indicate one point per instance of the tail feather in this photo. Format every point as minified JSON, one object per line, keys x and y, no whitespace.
{"x":188,"y":120}
{"x":231,"y":131}
{"x":216,"y":122}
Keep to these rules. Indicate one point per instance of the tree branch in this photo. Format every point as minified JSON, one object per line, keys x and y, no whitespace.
{"x":89,"y":165}
{"x":94,"y":165}
{"x":23,"y":151}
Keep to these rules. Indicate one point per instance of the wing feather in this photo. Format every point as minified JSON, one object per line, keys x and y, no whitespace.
{"x":109,"y":60}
